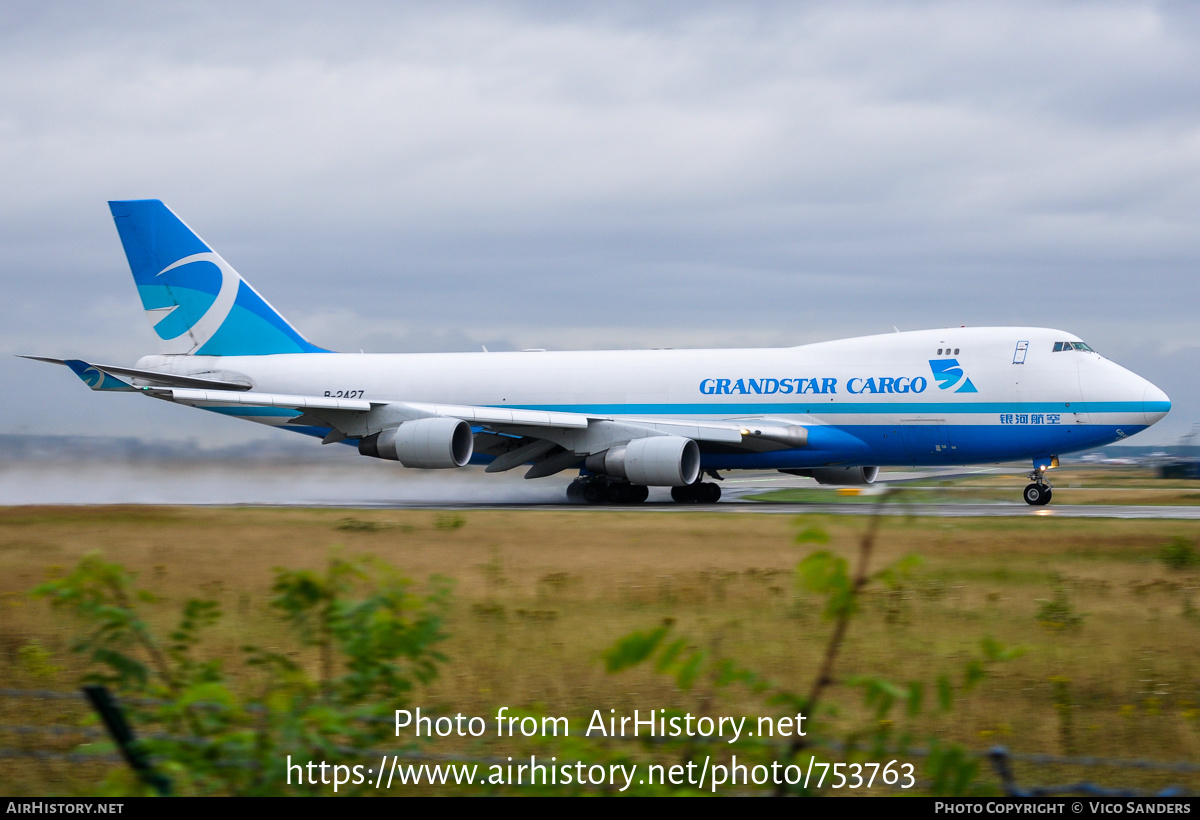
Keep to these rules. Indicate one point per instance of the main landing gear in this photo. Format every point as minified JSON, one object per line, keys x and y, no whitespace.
{"x":1038,"y":493}
{"x":702,"y":492}
{"x":600,"y":489}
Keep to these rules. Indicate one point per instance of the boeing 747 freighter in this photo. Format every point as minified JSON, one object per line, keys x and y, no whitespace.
{"x":625,"y":420}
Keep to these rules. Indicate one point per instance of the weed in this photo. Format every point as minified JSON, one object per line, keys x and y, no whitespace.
{"x":373,"y":639}
{"x":448,"y":521}
{"x":1179,"y":553}
{"x":363,"y":525}
{"x":1061,"y":695}
{"x":488,"y":612}
{"x":1058,"y":613}
{"x":35,"y":660}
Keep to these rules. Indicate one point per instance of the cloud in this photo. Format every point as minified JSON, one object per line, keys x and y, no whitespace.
{"x":613,"y":175}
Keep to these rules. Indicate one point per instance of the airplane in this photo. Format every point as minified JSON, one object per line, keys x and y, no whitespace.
{"x":626,"y":420}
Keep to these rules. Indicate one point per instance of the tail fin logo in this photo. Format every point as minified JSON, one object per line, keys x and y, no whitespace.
{"x":948,"y":373}
{"x":178,"y":325}
{"x":96,"y":378}
{"x":194,"y":300}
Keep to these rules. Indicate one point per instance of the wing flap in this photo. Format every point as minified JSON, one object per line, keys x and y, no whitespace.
{"x":360,"y":417}
{"x":732,"y":431}
{"x":229,"y":398}
{"x":504,"y":415}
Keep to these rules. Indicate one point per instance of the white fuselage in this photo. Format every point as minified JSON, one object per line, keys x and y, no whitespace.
{"x":957,"y":395}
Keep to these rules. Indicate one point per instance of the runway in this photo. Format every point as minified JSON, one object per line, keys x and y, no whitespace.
{"x":739,"y":507}
{"x":376,"y":485}
{"x":999,"y":510}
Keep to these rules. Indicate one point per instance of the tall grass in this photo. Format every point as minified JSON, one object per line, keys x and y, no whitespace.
{"x":539,"y":595}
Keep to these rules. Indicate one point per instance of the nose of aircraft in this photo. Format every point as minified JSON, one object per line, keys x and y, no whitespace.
{"x":1155,"y":404}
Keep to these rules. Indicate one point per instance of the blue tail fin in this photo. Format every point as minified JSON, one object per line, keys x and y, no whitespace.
{"x":195,"y":301}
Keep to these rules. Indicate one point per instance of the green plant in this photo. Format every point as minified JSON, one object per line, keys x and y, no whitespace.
{"x":217,"y":731}
{"x":1179,"y":553}
{"x":36,"y":661}
{"x":1058,"y":612}
{"x":1063,"y":706}
{"x":448,"y":521}
{"x":361,"y":525}
{"x":950,"y":768}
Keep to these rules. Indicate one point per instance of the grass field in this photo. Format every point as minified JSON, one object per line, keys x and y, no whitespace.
{"x":1110,"y":634}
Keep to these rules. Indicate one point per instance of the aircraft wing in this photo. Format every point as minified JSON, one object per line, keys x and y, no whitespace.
{"x":513,"y":435}
{"x":229,"y":398}
{"x":551,"y":440}
{"x":355,"y":418}
{"x":358,"y":417}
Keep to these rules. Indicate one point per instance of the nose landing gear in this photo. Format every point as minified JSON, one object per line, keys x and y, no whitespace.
{"x":1038,"y":493}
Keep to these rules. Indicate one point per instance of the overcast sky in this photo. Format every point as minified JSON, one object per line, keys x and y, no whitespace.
{"x":413,"y":177}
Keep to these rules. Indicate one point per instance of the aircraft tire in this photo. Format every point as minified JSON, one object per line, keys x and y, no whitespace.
{"x":709,"y":493}
{"x":575,"y":492}
{"x":1036,"y":495}
{"x":593,"y":492}
{"x":617,"y":493}
{"x":638,"y":494}
{"x":684,"y":494}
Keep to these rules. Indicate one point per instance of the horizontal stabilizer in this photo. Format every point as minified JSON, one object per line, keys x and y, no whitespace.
{"x":96,"y":378}
{"x":134,"y":376}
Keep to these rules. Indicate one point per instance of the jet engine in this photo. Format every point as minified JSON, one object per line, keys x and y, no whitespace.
{"x":430,"y":444}
{"x":839,"y":475}
{"x":654,"y":461}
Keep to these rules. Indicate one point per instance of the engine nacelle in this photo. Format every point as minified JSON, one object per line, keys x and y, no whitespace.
{"x":428,"y":444}
{"x":839,"y":475}
{"x":654,"y":461}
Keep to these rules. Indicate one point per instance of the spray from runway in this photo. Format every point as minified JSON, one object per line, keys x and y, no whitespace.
{"x":359,"y":483}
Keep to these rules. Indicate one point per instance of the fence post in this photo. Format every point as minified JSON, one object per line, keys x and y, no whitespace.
{"x":114,"y":720}
{"x":998,"y":755}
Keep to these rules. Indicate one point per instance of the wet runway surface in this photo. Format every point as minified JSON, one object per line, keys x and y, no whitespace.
{"x":998,"y":510}
{"x":361,"y":483}
{"x":981,"y":510}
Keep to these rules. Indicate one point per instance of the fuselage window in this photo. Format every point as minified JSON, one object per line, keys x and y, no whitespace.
{"x":956,"y":351}
{"x":939,"y":351}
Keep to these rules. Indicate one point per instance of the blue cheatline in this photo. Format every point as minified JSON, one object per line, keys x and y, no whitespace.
{"x":842,"y":408}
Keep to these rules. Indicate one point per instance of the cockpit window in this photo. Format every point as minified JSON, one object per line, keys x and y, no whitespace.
{"x":1081,"y":346}
{"x":1059,"y":347}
